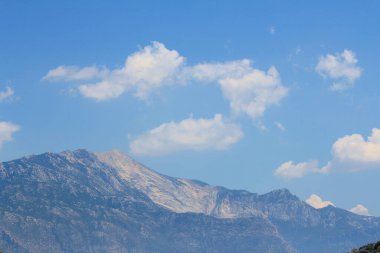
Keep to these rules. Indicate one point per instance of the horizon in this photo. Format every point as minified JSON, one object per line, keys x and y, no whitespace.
{"x":328,"y":205}
{"x":256,"y":96}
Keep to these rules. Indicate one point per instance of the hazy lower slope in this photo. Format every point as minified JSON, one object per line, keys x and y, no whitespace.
{"x":73,"y":202}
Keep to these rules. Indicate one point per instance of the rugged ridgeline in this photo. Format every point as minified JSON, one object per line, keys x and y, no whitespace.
{"x":73,"y":202}
{"x":307,"y":229}
{"x":106,"y":202}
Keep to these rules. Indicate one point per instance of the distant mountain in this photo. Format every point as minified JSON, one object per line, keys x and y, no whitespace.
{"x":107,"y":202}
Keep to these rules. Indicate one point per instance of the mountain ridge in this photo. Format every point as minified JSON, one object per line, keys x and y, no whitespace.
{"x":280,"y":207}
{"x":204,"y":194}
{"x":111,"y":197}
{"x":72,"y":202}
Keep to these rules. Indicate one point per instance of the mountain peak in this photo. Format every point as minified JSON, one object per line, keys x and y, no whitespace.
{"x":76,"y":155}
{"x":78,"y":152}
{"x":279,"y":194}
{"x":114,"y":153}
{"x":116,"y":158}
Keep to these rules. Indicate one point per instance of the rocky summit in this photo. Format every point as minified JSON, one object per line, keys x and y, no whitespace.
{"x":79,"y":201}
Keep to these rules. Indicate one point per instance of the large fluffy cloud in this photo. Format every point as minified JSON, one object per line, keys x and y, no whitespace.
{"x":189,"y":134}
{"x":144,"y":71}
{"x":360,"y":209}
{"x":249,"y":91}
{"x":355,"y":153}
{"x":349,"y":153}
{"x":341,"y":67}
{"x":7,"y":129}
{"x":254,"y":92}
{"x":6,"y":94}
{"x":356,"y":148}
{"x":317,"y":202}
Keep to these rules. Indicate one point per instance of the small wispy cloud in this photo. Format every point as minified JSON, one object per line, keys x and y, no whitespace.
{"x":280,"y":126}
{"x":341,"y":67}
{"x":6,"y":94}
{"x":7,"y":129}
{"x":74,"y":73}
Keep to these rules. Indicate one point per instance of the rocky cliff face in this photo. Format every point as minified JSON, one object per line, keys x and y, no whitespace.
{"x":308,"y":229}
{"x":107,"y":202}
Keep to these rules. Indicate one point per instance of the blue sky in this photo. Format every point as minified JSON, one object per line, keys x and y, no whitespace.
{"x":249,"y":95}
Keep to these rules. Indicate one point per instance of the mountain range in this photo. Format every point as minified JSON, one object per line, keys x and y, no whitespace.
{"x":81,"y":201}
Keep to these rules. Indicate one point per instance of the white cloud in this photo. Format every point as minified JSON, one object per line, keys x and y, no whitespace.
{"x":356,"y":148}
{"x":355,"y":153}
{"x":190,"y":134}
{"x":254,"y":92}
{"x":349,"y":153}
{"x":316,"y":202}
{"x":360,"y":209}
{"x":217,"y":71}
{"x":6,"y":94}
{"x":341,"y":67}
{"x":290,"y":170}
{"x":280,"y":126}
{"x":7,"y":129}
{"x":102,"y":90}
{"x":74,"y":73}
{"x":249,"y":91}
{"x":143,"y":72}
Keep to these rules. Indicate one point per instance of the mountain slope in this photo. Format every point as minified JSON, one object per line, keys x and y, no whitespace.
{"x":107,"y":202}
{"x":306,"y":228}
{"x":74,"y":202}
{"x":178,"y":195}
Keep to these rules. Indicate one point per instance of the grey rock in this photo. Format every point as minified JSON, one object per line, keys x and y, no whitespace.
{"x":307,"y":229}
{"x":107,"y":202}
{"x":73,"y":202}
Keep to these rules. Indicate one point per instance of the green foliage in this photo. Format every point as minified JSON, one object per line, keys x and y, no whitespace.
{"x":370,"y":248}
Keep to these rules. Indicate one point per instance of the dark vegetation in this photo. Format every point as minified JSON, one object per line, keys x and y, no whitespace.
{"x":369,"y":248}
